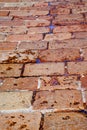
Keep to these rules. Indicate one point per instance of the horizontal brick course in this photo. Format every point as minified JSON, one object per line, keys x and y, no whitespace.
{"x":60,"y":99}
{"x":44,"y":69}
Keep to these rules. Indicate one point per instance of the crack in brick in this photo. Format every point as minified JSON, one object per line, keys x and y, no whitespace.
{"x":41,"y":122}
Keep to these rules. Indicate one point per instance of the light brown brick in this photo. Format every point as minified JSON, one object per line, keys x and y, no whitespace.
{"x":77,"y":68}
{"x":84,"y":82}
{"x":60,"y":10}
{"x":32,"y":45}
{"x":13,"y":30}
{"x":71,"y":43}
{"x":59,"y":55}
{"x":65,"y":120}
{"x":79,"y":9}
{"x":2,"y":37}
{"x":85,"y":53}
{"x":70,"y":28}
{"x":58,"y":36}
{"x":59,"y":99}
{"x":4,"y":13}
{"x":11,"y":84}
{"x":25,"y":37}
{"x":8,"y":46}
{"x":8,"y":70}
{"x":12,"y":23}
{"x":68,"y":19}
{"x":36,"y":30}
{"x":37,"y":23}
{"x":58,"y":82}
{"x":15,"y":100}
{"x":29,"y":13}
{"x":18,"y":56}
{"x":16,"y":121}
{"x":80,"y":35}
{"x":44,"y":69}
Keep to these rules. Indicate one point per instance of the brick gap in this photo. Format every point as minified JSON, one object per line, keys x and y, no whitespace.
{"x":65,"y":68}
{"x":33,"y":97}
{"x":47,"y":45}
{"x":22,"y":71}
{"x":41,"y":122}
{"x":70,"y":11}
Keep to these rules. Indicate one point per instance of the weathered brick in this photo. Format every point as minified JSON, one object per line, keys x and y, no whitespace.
{"x":59,"y":99}
{"x":13,"y":30}
{"x":18,"y":121}
{"x":32,"y":45}
{"x":76,"y":67}
{"x":36,"y":30}
{"x":58,"y":36}
{"x":68,"y":19}
{"x":58,"y":82}
{"x":60,"y":11}
{"x":2,"y":37}
{"x":71,"y":43}
{"x":10,"y":84}
{"x":59,"y":55}
{"x":12,"y":23}
{"x":85,"y":54}
{"x":25,"y":37}
{"x":37,"y":22}
{"x":79,"y":9}
{"x":15,"y":100}
{"x":29,"y":13}
{"x":4,"y":46}
{"x":22,"y":56}
{"x":44,"y":69}
{"x":7,"y":70}
{"x":4,"y":13}
{"x":65,"y":120}
{"x":70,"y":28}
{"x":5,"y":18}
{"x":84,"y":82}
{"x":80,"y":35}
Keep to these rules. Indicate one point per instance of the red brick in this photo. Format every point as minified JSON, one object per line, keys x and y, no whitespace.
{"x":4,"y":13}
{"x":58,"y":36}
{"x":80,"y":35}
{"x":59,"y":99}
{"x":35,"y":30}
{"x":37,"y":22}
{"x":65,"y":120}
{"x":71,"y":43}
{"x":84,"y":82}
{"x":57,"y":82}
{"x":10,"y":84}
{"x":16,"y":121}
{"x":76,"y":68}
{"x":15,"y":100}
{"x":13,"y":30}
{"x":32,"y":45}
{"x":60,"y":11}
{"x":68,"y":19}
{"x":70,"y":28}
{"x":4,"y":46}
{"x":59,"y":55}
{"x":8,"y":70}
{"x":25,"y":37}
{"x":44,"y":69}
{"x":9,"y":0}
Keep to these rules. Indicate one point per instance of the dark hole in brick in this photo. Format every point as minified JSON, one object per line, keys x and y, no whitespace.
{"x":76,"y":103}
{"x":23,"y":126}
{"x":43,"y":102}
{"x":66,"y":118}
{"x":12,"y":116}
{"x":15,"y":84}
{"x":52,"y":105}
{"x":22,"y":116}
{"x":9,"y":68}
{"x":12,"y":124}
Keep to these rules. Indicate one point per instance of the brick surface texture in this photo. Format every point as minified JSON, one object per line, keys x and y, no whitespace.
{"x":43,"y":64}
